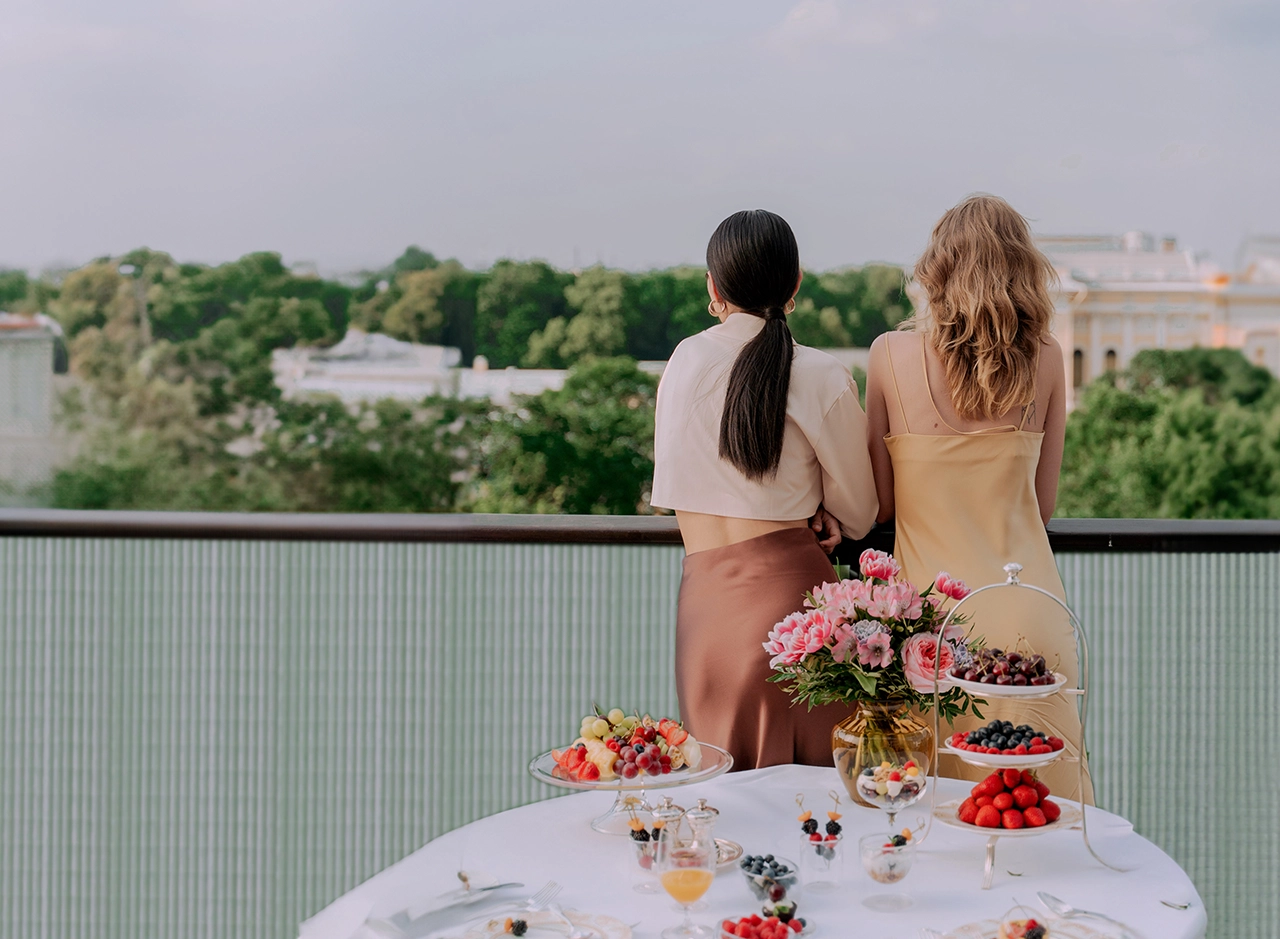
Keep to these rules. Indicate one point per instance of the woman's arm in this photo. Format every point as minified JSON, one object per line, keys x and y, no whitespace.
{"x":878,"y":427}
{"x":1053,"y":374}
{"x":848,"y":489}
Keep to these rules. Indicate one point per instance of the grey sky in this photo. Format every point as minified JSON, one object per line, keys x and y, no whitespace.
{"x":339,"y":131}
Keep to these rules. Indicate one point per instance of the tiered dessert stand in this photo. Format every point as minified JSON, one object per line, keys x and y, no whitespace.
{"x":1072,"y":815}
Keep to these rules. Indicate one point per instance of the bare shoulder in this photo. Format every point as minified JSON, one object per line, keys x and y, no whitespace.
{"x":1051,"y":365}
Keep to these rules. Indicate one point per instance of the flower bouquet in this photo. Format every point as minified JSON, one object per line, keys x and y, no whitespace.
{"x":874,"y":640}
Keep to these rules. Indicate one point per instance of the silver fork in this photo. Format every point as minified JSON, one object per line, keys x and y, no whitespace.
{"x":542,"y":898}
{"x":574,"y":931}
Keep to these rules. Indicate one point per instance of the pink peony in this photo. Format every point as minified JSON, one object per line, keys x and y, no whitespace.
{"x":918,"y":654}
{"x":875,"y":651}
{"x":798,"y":636}
{"x":895,"y":601}
{"x":951,"y":587}
{"x":877,"y":564}
{"x":845,"y":640}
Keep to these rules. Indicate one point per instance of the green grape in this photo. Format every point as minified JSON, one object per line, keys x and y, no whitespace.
{"x":616,"y":716}
{"x":600,"y":727}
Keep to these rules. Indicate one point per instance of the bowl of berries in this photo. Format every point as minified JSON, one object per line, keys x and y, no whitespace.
{"x":764,"y":927}
{"x":997,"y":673}
{"x":1001,"y":744}
{"x":775,"y":881}
{"x":1009,"y":803}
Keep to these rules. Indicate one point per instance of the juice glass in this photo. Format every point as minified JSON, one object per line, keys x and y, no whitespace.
{"x":686,"y":868}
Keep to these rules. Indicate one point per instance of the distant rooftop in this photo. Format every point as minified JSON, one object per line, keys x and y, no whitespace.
{"x":1259,"y":260}
{"x":1134,"y":257}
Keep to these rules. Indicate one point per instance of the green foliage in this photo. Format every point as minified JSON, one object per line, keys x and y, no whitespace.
{"x":587,"y":448}
{"x":516,"y":300}
{"x":13,"y":288}
{"x":1182,"y":434}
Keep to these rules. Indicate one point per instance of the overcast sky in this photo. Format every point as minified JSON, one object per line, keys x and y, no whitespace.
{"x":339,"y":131}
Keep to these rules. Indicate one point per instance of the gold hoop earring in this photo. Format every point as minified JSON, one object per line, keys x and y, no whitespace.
{"x":790,"y":307}
{"x":711,"y":308}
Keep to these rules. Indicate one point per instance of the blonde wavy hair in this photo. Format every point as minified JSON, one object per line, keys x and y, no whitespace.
{"x":989,"y":309}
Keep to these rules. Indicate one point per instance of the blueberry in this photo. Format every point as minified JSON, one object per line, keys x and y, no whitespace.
{"x":768,"y":857}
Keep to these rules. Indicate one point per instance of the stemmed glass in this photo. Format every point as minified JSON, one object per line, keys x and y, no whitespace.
{"x":686,"y":868}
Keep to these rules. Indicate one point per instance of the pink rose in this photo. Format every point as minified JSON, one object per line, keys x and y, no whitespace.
{"x":895,"y":601}
{"x":875,"y":651}
{"x":951,"y":587}
{"x":879,"y":565}
{"x":918,"y":655}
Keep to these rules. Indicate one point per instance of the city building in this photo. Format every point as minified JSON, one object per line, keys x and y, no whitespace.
{"x":1118,"y":295}
{"x":29,"y":448}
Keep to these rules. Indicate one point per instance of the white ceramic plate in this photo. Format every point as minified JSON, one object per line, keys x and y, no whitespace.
{"x":945,"y":812}
{"x":1001,"y":760}
{"x":979,"y":690}
{"x":545,"y":925}
{"x":1058,"y":929}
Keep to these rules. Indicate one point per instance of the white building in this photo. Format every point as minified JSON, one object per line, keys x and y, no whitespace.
{"x":29,"y":449}
{"x":1121,"y":294}
{"x":366,"y":367}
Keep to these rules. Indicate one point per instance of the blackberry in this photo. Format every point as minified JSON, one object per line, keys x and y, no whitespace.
{"x":519,"y":927}
{"x":898,"y":841}
{"x":1035,"y":932}
{"x":639,"y":835}
{"x":833,"y":827}
{"x":810,"y":826}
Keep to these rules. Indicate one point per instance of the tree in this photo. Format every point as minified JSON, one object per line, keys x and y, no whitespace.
{"x":516,"y":300}
{"x":13,"y":288}
{"x":598,"y":326}
{"x":586,"y":448}
{"x":1171,"y":438}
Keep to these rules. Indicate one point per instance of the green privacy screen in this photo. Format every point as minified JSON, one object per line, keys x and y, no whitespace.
{"x":216,"y":738}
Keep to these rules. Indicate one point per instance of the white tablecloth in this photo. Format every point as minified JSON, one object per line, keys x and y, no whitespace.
{"x":552,"y":840}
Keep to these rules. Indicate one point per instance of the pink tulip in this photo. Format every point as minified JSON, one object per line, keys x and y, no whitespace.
{"x":951,"y":587}
{"x":878,"y":565}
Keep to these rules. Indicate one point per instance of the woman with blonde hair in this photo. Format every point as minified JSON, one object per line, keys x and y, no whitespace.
{"x":966,"y":416}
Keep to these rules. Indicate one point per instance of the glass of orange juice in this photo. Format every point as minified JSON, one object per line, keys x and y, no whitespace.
{"x":686,"y":868}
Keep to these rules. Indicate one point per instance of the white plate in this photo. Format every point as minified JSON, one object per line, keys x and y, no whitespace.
{"x":979,"y":690}
{"x":1058,"y":929}
{"x":1015,"y":760}
{"x":545,"y":924}
{"x":946,"y":813}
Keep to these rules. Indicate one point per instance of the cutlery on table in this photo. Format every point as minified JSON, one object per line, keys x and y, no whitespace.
{"x":574,"y":931}
{"x":1176,"y":906}
{"x":1067,"y":911}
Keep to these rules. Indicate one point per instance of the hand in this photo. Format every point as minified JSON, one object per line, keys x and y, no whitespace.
{"x":827,"y":527}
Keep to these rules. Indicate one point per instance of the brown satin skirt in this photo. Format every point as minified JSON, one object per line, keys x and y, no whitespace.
{"x":729,"y":600}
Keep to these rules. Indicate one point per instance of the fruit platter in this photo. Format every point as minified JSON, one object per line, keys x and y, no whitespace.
{"x":1009,"y":803}
{"x":628,"y":753}
{"x":1002,"y":744}
{"x":997,"y":673}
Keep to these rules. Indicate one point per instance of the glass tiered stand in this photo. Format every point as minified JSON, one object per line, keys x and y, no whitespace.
{"x":1073,"y":815}
{"x":630,"y":801}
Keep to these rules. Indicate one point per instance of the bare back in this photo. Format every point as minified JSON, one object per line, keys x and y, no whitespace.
{"x":907,"y":394}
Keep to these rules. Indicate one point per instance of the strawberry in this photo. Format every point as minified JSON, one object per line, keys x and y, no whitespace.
{"x":1034,"y":817}
{"x":1003,"y":801}
{"x":1011,"y":819}
{"x":988,"y":817}
{"x":982,"y":801}
{"x":1025,"y":797}
{"x":1028,"y":778}
{"x":1012,"y":777}
{"x":1041,"y":790}
{"x":1052,"y":811}
{"x":968,"y":812}
{"x":589,"y":771}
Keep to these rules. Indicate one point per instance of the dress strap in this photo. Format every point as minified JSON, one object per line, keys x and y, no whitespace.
{"x":924,"y":367}
{"x":888,"y":354}
{"x":1026,"y":412}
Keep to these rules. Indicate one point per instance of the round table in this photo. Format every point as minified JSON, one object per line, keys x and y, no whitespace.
{"x":553,"y":840}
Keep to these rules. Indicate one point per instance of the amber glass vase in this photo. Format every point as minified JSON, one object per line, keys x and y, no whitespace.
{"x":880,"y":733}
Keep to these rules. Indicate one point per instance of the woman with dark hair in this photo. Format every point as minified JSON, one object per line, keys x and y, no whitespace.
{"x":759,"y":444}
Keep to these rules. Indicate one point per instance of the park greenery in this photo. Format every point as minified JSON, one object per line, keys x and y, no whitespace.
{"x":178,"y":409}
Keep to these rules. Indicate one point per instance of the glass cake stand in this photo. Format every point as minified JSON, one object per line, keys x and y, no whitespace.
{"x":631,"y":792}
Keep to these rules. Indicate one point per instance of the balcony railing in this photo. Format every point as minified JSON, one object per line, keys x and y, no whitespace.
{"x":212,"y":725}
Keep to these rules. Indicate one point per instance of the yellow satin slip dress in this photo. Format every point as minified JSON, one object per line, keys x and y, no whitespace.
{"x":966,"y":504}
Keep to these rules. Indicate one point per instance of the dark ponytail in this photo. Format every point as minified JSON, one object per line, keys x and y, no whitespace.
{"x":755,"y":262}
